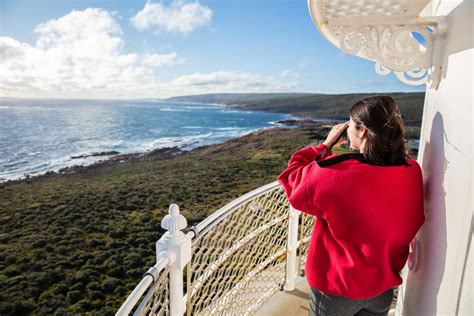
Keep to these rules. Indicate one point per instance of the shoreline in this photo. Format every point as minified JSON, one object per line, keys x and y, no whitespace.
{"x":86,"y":159}
{"x":97,"y":158}
{"x":103,"y":157}
{"x":114,"y":158}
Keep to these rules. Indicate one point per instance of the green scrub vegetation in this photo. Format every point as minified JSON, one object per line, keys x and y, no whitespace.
{"x":80,"y":241}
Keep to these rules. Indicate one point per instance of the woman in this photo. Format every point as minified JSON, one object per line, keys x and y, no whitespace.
{"x":368,"y":207}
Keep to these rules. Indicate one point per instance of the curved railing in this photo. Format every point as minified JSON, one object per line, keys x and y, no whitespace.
{"x":241,"y":255}
{"x":156,"y":300}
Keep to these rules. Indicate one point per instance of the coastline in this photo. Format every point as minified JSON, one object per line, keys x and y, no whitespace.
{"x":64,"y":162}
{"x":114,"y":158}
{"x":84,"y":160}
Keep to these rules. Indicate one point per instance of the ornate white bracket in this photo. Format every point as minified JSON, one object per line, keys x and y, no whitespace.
{"x":395,"y":48}
{"x":383,"y":31}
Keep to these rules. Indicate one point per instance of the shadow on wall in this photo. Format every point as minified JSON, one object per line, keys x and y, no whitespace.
{"x":423,"y":286}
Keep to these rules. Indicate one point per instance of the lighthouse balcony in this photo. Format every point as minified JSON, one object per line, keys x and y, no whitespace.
{"x":247,"y":258}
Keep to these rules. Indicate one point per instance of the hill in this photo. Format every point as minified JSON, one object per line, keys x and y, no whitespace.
{"x":332,"y":106}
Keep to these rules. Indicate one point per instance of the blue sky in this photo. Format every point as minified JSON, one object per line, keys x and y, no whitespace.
{"x":135,"y":49}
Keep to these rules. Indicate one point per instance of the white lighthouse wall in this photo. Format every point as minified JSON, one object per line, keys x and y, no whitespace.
{"x":442,"y":284}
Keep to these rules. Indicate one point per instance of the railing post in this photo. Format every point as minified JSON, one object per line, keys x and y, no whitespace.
{"x":175,"y":245}
{"x":291,"y":247}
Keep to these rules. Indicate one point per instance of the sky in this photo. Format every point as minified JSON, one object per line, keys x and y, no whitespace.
{"x":157,"y":49}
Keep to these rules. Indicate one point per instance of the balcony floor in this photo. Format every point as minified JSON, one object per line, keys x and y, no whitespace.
{"x":294,"y":303}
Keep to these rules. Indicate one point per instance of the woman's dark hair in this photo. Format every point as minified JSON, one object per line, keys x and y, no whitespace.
{"x":386,"y":141}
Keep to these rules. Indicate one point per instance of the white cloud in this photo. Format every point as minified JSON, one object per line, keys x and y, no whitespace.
{"x":75,"y":55}
{"x":289,"y":74}
{"x":91,"y":32}
{"x":228,"y":81}
{"x":179,"y":17}
{"x":219,"y":78}
{"x":9,"y":48}
{"x":158,"y":60}
{"x":80,"y":56}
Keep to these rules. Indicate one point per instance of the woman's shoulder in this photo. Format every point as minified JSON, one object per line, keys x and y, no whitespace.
{"x":357,"y":159}
{"x":414,"y":163}
{"x":417,"y":168}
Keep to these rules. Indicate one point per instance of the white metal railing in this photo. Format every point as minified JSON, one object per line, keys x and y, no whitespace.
{"x":232,"y":261}
{"x":148,"y":279}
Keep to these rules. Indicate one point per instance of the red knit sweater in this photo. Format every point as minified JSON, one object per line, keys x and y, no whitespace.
{"x":366,"y":217}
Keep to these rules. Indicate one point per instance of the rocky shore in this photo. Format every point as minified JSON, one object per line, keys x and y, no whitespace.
{"x":113,"y":159}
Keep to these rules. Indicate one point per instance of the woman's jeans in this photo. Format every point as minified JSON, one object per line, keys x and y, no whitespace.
{"x":321,"y":304}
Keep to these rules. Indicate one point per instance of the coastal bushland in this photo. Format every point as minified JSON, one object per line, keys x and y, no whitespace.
{"x":79,"y":242}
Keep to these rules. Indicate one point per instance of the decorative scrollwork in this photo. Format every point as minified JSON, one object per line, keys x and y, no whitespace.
{"x":393,"y":48}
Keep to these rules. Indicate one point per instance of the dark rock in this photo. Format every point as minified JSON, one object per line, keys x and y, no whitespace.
{"x":102,"y":153}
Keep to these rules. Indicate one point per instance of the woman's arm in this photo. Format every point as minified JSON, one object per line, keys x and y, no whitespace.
{"x":294,"y":179}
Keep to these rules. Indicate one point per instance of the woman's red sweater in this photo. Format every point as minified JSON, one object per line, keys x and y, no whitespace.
{"x":366,"y":217}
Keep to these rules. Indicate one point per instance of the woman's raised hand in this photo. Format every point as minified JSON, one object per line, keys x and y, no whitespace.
{"x":334,"y":134}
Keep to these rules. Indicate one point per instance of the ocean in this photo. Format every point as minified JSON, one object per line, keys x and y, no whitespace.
{"x":37,"y":136}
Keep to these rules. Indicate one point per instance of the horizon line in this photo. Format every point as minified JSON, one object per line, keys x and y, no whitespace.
{"x":203,"y":94}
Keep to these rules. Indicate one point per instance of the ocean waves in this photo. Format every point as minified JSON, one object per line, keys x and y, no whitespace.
{"x":38,"y":136}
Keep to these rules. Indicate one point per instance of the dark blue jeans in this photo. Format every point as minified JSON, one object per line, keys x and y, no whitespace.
{"x":321,"y":304}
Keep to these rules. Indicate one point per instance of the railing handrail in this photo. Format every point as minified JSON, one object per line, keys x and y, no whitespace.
{"x":147,"y":280}
{"x":172,"y":253}
{"x":227,"y":209}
